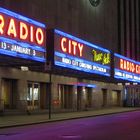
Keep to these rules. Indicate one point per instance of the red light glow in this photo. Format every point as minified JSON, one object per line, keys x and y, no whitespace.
{"x":129,"y":66}
{"x":20,"y":30}
{"x":71,"y":47}
{"x":11,"y":28}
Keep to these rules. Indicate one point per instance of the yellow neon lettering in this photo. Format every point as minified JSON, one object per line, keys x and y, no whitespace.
{"x":1,"y":24}
{"x":23,"y":31}
{"x":12,"y":28}
{"x":63,"y":41}
{"x":39,"y":36}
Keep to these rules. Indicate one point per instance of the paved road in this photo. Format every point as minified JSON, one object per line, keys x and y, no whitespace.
{"x":123,"y":126}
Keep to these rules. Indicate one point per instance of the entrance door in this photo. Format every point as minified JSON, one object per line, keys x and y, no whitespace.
{"x":104,"y":91}
{"x":33,"y":95}
{"x":89,"y":97}
{"x":66,"y":96}
{"x":44,"y":95}
{"x":9,"y":94}
{"x":79,"y":97}
{"x":116,"y":97}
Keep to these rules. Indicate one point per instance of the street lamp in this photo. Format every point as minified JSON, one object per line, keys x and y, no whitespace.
{"x":94,"y":2}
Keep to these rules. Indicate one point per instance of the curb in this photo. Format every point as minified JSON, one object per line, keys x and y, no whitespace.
{"x":64,"y":119}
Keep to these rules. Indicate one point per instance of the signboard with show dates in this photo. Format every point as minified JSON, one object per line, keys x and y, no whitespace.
{"x":126,"y":69}
{"x":74,"y":53}
{"x":22,"y":37}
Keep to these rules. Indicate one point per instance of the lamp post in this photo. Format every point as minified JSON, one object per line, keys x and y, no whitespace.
{"x":95,"y":3}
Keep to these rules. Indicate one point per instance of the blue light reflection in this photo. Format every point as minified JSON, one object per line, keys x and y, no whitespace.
{"x":120,"y":74}
{"x":92,"y":64}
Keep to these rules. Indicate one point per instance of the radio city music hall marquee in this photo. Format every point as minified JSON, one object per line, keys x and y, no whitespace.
{"x":77,"y":54}
{"x":126,"y":69}
{"x":21,"y":37}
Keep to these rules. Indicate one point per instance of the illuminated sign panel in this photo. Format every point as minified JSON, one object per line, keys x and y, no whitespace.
{"x":74,"y":53}
{"x":126,"y":69}
{"x":21,"y":37}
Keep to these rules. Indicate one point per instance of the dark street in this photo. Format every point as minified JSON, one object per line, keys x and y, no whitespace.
{"x":124,"y":126}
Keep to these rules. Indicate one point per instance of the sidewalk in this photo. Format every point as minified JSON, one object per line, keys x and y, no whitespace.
{"x":20,"y":120}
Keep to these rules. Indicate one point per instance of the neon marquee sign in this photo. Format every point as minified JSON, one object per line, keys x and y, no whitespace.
{"x":126,"y":68}
{"x":129,"y":66}
{"x":71,"y":47}
{"x":74,"y":53}
{"x":21,"y":37}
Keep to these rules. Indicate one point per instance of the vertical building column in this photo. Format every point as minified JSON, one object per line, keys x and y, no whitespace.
{"x":22,"y":90}
{"x":97,"y":98}
{"x":0,"y":89}
{"x":74,"y":97}
{"x":92,"y":97}
{"x":121,"y":29}
{"x":137,"y":28}
{"x":109,"y":97}
{"x":1,"y":97}
{"x":55,"y":96}
{"x":128,"y":26}
{"x":133,"y":30}
{"x":83,"y":98}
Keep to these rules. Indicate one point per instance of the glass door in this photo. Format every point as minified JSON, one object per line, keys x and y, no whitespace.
{"x":33,"y":95}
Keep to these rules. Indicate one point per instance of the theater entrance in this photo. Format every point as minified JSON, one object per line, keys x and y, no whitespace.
{"x":66,"y":94}
{"x":104,"y":93}
{"x":33,"y":96}
{"x":116,"y":98}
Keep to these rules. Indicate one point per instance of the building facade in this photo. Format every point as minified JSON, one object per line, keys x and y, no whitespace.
{"x":129,"y":28}
{"x":68,"y":88}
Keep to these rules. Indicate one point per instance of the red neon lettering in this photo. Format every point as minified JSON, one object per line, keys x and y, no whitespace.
{"x":128,"y":66}
{"x":80,"y":49}
{"x":18,"y":29}
{"x":12,"y":28}
{"x":63,"y":42}
{"x":74,"y":47}
{"x":1,"y":24}
{"x":39,"y":36}
{"x":31,"y":34}
{"x":70,"y":49}
{"x":133,"y":67}
{"x":124,"y":64}
{"x":138,"y":69}
{"x":23,"y":31}
{"x":121,"y":63}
